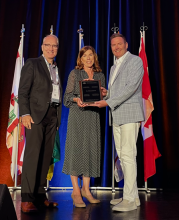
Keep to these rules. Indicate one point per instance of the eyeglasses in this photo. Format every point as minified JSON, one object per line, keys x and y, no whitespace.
{"x":49,"y":46}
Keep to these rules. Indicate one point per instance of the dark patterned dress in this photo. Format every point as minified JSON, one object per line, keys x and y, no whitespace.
{"x":83,"y":143}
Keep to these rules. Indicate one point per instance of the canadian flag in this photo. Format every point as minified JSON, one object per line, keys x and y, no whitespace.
{"x":151,"y":152}
{"x":15,"y":136}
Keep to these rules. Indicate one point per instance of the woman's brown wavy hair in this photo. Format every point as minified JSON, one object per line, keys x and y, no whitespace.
{"x":96,"y":67}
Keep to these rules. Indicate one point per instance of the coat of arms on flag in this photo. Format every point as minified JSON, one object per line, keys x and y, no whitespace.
{"x":15,"y":137}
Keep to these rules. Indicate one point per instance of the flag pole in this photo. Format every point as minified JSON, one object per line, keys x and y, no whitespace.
{"x":114,"y":29}
{"x":143,"y":29}
{"x":51,"y":33}
{"x":15,"y":182}
{"x":80,"y":31}
{"x":143,"y":32}
{"x":51,"y":30}
{"x":22,"y":46}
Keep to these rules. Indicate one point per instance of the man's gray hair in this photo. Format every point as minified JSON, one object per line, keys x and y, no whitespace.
{"x":52,"y":36}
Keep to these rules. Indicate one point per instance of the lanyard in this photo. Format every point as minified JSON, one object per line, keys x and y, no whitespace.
{"x":56,"y":69}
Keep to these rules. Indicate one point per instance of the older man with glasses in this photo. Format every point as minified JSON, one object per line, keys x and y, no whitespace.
{"x":40,"y":108}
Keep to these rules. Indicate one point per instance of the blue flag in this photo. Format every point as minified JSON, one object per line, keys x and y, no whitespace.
{"x":82,"y":41}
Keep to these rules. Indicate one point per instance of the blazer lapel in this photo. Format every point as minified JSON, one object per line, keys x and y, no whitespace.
{"x":44,"y":65}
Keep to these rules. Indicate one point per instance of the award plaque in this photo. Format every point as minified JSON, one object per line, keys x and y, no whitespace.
{"x":90,"y":91}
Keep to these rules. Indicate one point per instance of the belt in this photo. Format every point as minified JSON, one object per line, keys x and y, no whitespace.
{"x":54,"y":104}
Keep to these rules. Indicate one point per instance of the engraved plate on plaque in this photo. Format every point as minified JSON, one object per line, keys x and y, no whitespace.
{"x":90,"y":91}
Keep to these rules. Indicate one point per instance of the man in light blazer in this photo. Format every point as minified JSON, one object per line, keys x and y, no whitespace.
{"x":124,"y":97}
{"x":39,"y":99}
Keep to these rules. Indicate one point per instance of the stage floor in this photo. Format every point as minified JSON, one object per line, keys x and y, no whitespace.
{"x":154,"y":206}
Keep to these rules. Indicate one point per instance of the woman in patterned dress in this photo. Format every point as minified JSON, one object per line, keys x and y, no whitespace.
{"x":83,"y":143}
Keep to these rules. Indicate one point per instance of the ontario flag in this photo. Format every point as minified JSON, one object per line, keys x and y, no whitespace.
{"x":15,"y":137}
{"x":151,"y":152}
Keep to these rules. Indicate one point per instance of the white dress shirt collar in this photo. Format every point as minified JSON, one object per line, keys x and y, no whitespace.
{"x":121,"y":59}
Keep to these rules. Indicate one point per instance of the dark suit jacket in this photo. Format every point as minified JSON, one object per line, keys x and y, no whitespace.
{"x":35,"y":90}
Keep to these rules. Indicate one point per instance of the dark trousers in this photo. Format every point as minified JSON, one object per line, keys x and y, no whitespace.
{"x":37,"y":157}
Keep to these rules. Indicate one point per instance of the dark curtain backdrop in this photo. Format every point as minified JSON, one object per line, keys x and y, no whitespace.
{"x":97,"y":17}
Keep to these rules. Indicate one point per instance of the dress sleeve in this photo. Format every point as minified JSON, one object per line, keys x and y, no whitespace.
{"x":103,"y":84}
{"x":103,"y":80}
{"x":69,"y":92}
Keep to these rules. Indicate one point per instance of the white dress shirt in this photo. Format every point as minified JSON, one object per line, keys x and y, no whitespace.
{"x":117,"y":64}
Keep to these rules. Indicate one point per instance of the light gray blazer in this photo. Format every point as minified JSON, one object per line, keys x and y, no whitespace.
{"x":124,"y":96}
